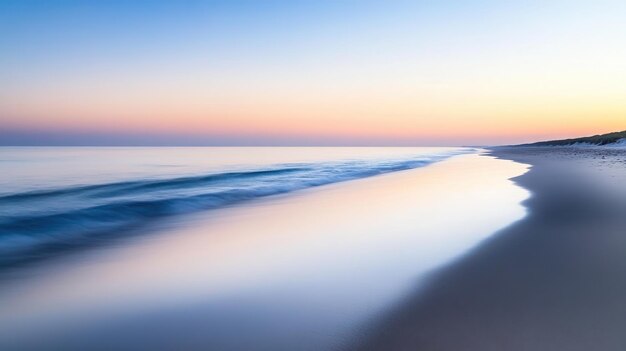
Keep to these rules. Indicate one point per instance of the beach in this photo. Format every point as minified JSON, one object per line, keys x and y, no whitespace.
{"x":313,"y":175}
{"x":512,"y":248}
{"x":307,"y":270}
{"x":555,"y":280}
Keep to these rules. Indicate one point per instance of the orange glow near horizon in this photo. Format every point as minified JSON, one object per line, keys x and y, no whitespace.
{"x":372,"y":118}
{"x":482,"y":80}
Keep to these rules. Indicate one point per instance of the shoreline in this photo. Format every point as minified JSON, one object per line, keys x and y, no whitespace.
{"x":555,"y":280}
{"x":44,"y":218}
{"x":297,"y":272}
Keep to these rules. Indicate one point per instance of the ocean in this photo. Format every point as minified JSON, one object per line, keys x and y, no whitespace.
{"x":55,"y":198}
{"x":232,"y":248}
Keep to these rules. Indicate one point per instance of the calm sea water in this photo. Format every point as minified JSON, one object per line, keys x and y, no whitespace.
{"x":240,"y":248}
{"x":51,"y":198}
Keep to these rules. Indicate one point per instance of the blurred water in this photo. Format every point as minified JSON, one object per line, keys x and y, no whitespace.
{"x":38,"y":168}
{"x":308,"y":270}
{"x":55,"y":198}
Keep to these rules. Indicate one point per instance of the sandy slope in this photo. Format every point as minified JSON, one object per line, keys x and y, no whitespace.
{"x":553,"y":281}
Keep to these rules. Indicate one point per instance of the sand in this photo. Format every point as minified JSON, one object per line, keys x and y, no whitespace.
{"x":555,"y":280}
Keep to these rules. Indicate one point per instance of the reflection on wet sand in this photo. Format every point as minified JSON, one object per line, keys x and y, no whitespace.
{"x":301,"y":271}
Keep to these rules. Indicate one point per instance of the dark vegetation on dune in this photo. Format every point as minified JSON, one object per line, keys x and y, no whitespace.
{"x":602,"y":139}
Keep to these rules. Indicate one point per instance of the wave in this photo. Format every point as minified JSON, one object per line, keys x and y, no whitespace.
{"x":71,"y":216}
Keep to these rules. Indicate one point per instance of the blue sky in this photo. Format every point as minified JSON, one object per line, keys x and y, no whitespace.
{"x":258,"y":72}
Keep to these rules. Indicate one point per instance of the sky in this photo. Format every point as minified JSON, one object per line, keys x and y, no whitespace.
{"x":475,"y":72}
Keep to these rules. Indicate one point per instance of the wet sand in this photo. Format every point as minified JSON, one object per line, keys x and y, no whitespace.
{"x":303,"y":271}
{"x":555,"y":280}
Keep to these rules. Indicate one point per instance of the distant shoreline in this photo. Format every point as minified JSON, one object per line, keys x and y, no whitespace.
{"x":609,"y":139}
